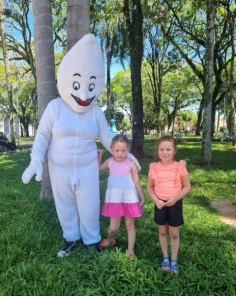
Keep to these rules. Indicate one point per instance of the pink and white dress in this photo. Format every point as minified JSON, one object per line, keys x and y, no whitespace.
{"x":121,"y":195}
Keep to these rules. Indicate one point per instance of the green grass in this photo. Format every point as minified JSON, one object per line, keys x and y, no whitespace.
{"x":31,"y":236}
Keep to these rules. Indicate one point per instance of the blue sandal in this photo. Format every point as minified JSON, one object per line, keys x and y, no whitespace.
{"x":165,"y":265}
{"x":174,"y":267}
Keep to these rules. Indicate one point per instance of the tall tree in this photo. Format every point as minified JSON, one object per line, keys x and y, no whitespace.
{"x":134,"y":22}
{"x":45,"y":69}
{"x":7,"y":73}
{"x":108,"y":18}
{"x":19,"y":42}
{"x":157,"y":50}
{"x":77,"y":20}
{"x":188,"y":38}
{"x":231,"y":79}
{"x":208,"y":86}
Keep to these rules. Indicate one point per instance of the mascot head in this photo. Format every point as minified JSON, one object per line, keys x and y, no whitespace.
{"x":81,"y":74}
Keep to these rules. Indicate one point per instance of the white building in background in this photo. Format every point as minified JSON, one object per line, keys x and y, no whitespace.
{"x":5,"y":127}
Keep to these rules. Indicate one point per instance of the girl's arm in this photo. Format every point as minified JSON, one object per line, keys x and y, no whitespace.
{"x":185,"y":190}
{"x":102,"y":166}
{"x":150,"y":189}
{"x":135,"y":177}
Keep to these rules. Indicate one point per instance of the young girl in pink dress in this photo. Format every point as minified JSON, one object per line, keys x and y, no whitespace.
{"x":124,"y":195}
{"x":168,"y":183}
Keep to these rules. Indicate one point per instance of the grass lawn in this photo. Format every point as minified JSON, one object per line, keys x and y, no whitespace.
{"x":31,"y":236}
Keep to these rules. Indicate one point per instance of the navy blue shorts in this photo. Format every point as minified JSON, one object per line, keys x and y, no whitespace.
{"x":172,"y":216}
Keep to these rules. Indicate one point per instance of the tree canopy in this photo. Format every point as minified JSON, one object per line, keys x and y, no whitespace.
{"x":174,"y":39}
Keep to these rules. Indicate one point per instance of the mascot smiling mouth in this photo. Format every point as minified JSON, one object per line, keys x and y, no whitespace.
{"x":81,"y":102}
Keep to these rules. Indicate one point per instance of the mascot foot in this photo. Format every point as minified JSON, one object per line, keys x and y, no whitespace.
{"x":67,"y":249}
{"x":95,"y":247}
{"x":98,"y":248}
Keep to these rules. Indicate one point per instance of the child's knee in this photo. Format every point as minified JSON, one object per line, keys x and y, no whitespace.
{"x":129,"y":225}
{"x":174,"y":235}
{"x":163,"y":230}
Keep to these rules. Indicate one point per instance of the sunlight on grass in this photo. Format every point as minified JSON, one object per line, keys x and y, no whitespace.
{"x":31,"y":237}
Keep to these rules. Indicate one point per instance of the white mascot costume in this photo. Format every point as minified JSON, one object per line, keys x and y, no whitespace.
{"x":68,"y":129}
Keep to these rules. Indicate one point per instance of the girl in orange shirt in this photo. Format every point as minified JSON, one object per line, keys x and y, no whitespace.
{"x":168,"y":183}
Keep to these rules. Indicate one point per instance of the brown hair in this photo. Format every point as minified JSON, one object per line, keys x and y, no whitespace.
{"x":168,"y":139}
{"x":119,"y":138}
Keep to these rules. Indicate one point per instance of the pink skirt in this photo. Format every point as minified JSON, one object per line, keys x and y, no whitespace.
{"x":122,"y":209}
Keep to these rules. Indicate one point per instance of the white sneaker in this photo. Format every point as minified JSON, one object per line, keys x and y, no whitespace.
{"x":67,"y":249}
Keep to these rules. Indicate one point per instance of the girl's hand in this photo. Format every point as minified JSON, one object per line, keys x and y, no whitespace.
{"x":170,"y":202}
{"x":142,"y":202}
{"x":160,"y":204}
{"x":100,"y":152}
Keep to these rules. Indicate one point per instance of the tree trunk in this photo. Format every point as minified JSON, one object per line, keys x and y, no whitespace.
{"x":77,"y":21}
{"x":109,"y":54}
{"x":208,"y":87}
{"x":213,"y":119}
{"x":26,"y":130}
{"x":199,"y":119}
{"x":11,"y":114}
{"x":7,"y":71}
{"x":159,"y":96}
{"x":34,"y":99}
{"x":45,"y":70}
{"x":134,"y":24}
{"x":232,"y":81}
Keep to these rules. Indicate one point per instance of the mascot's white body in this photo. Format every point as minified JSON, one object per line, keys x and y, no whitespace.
{"x":73,"y":166}
{"x":67,"y":130}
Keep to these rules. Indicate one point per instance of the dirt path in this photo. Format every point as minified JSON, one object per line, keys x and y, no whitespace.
{"x":226,"y":209}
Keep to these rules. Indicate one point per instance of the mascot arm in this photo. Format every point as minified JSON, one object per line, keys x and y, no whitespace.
{"x":134,"y":160}
{"x":104,"y":136}
{"x":40,"y":146}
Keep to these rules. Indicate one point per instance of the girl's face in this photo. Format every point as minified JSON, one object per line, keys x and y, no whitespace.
{"x":166,"y":152}
{"x":119,"y":151}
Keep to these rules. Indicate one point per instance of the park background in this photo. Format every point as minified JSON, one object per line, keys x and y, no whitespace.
{"x":179,"y":72}
{"x":178,"y":59}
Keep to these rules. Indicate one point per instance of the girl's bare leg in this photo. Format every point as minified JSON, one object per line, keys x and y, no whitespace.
{"x":129,"y":222}
{"x":163,"y":239}
{"x":174,"y":241}
{"x":113,"y":228}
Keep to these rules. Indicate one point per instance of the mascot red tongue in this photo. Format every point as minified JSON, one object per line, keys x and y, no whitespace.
{"x":67,"y":130}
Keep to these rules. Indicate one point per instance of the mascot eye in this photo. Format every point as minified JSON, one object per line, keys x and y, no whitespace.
{"x":76,"y":86}
{"x":91,"y":87}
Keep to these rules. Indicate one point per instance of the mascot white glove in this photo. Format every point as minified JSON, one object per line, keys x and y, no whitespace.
{"x":35,"y":167}
{"x":134,"y":160}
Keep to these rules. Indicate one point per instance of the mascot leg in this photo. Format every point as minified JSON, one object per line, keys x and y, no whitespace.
{"x":66,"y":205}
{"x":88,"y":201}
{"x":76,"y":195}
